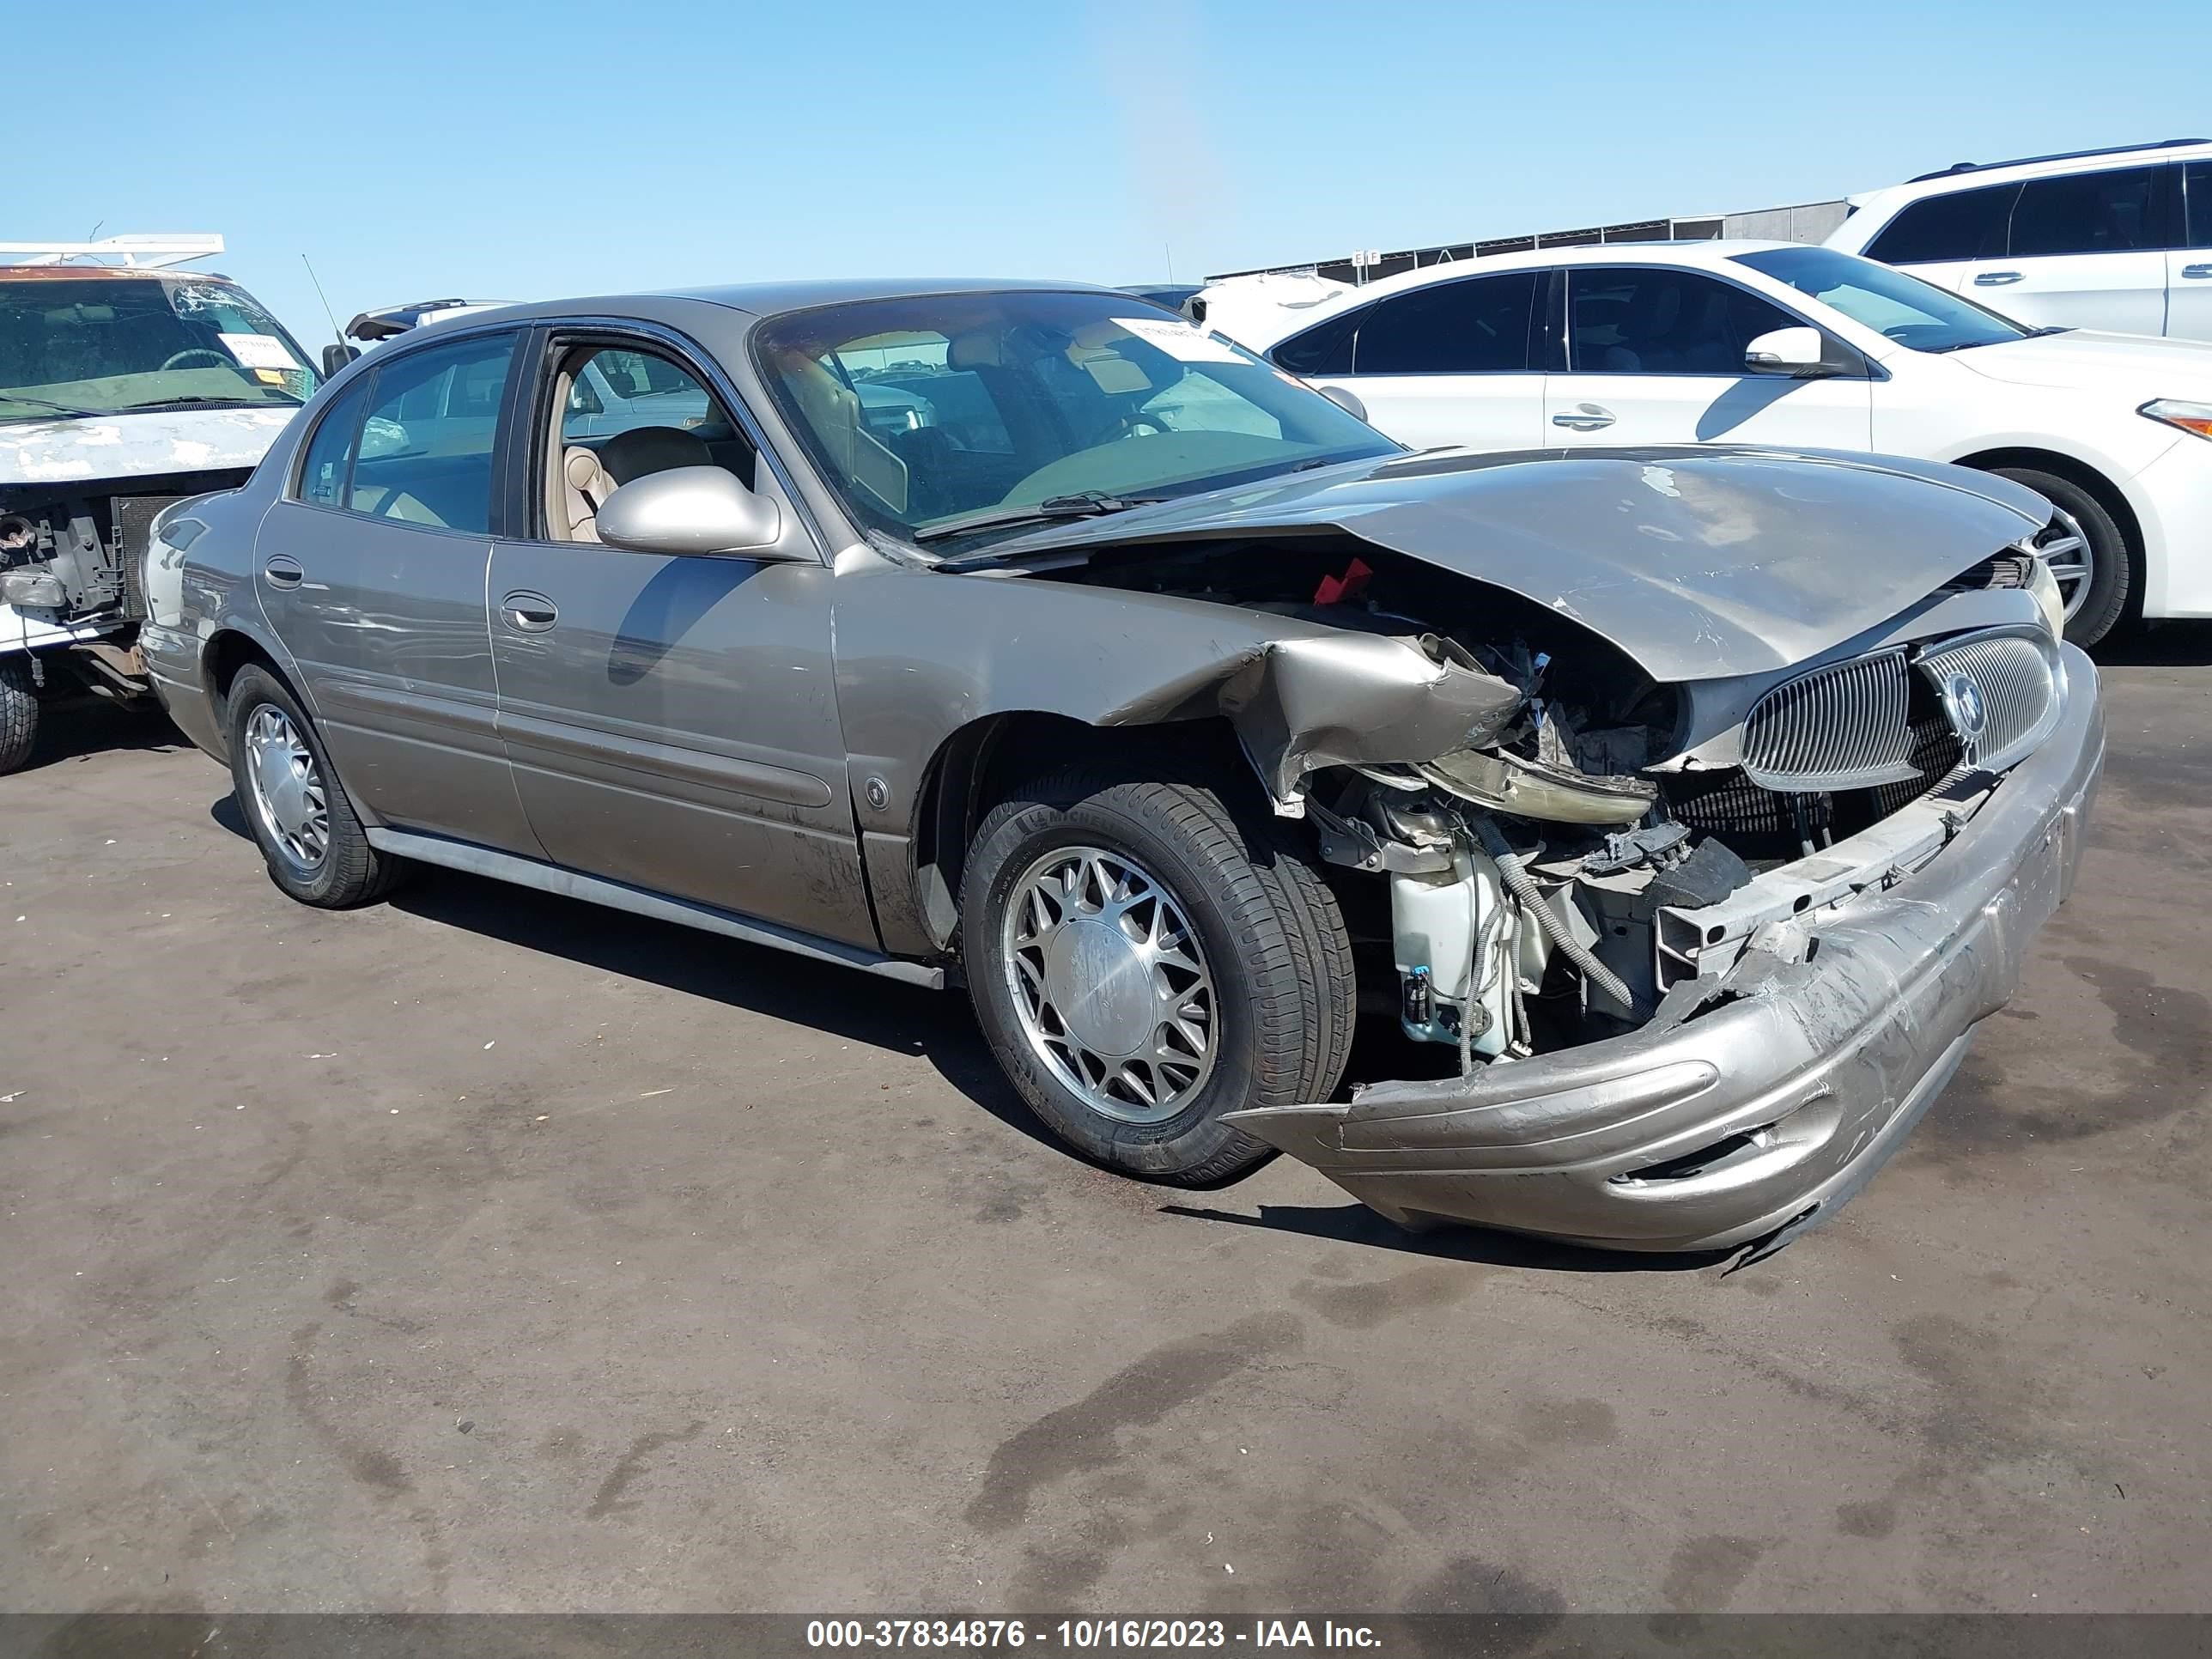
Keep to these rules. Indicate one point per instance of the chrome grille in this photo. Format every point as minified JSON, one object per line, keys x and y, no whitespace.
{"x":1999,"y":690}
{"x":1840,"y":727}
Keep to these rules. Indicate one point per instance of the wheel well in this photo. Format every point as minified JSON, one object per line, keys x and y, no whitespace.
{"x":227,"y":653}
{"x":978,"y":765}
{"x":2078,"y":474}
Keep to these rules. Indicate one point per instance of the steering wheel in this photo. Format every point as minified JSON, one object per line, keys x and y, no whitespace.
{"x":182,"y":359}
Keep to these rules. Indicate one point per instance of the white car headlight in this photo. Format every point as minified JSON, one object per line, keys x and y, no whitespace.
{"x":2191,"y":417}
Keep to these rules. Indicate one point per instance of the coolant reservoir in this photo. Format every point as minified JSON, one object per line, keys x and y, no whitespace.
{"x":1436,"y":921}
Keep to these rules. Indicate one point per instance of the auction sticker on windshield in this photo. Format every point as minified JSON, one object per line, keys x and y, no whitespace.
{"x":1179,"y":340}
{"x":259,"y":351}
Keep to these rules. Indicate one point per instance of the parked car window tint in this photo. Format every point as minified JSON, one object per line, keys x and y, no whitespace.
{"x":2090,"y":213}
{"x":1893,"y":303}
{"x":426,"y":449}
{"x":923,"y":411}
{"x":1963,"y":224}
{"x":328,"y":457}
{"x":1324,"y":348}
{"x":2196,"y":185}
{"x":1476,"y":326}
{"x":1662,"y":321}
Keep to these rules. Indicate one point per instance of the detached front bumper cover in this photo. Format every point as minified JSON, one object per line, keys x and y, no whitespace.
{"x":1773,"y":1103}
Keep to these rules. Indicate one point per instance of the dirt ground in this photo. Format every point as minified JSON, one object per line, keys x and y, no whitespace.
{"x":486,"y":1251}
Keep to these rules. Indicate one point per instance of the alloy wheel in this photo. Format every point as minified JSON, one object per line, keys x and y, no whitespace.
{"x":1110,"y":984}
{"x":287,"y":790}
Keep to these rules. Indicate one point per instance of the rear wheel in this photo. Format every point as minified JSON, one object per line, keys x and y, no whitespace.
{"x":1143,"y":960}
{"x":315,"y":846}
{"x":19,"y":713}
{"x":2086,"y":552}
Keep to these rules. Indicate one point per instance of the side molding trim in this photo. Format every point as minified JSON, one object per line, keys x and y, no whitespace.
{"x":570,"y":883}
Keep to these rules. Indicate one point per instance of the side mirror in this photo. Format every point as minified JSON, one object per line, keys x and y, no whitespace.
{"x":1784,"y":351}
{"x":691,"y":510}
{"x":336,"y":357}
{"x":1344,"y":400}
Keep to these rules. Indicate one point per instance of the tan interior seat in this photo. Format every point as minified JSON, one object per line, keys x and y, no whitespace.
{"x":589,"y":476}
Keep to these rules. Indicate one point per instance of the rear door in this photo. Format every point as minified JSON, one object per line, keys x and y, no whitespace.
{"x":1450,"y":363}
{"x":2084,"y":250}
{"x":672,"y":721}
{"x":371,"y":570}
{"x":1654,"y":355}
{"x":2189,"y":267}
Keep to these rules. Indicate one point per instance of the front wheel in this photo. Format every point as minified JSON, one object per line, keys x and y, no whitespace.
{"x":1143,"y":960}
{"x":19,"y":713}
{"x":2087,"y":554}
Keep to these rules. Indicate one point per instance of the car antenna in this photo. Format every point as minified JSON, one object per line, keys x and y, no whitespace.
{"x":324,"y":298}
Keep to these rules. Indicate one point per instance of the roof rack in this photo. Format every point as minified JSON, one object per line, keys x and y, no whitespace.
{"x":144,"y":251}
{"x":2062,"y":155}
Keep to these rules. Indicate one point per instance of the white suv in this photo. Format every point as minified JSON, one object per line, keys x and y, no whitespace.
{"x":1795,"y":347}
{"x":2111,"y":238}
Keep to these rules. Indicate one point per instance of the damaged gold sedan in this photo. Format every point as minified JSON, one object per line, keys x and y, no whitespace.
{"x":1686,"y":809}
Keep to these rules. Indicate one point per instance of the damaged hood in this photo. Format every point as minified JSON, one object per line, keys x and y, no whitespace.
{"x":1699,"y":563}
{"x":149,"y":444}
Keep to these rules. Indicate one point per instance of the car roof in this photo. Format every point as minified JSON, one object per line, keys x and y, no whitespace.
{"x":1976,"y":175}
{"x":772,"y":299}
{"x":110,"y":273}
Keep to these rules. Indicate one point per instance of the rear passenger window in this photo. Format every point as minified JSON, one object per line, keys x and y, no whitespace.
{"x":1965,"y":224}
{"x":425,"y":454}
{"x":1479,"y":325}
{"x":329,"y":459}
{"x":2090,"y":213}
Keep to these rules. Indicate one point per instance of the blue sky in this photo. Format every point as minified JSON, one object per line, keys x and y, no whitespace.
{"x":499,"y":152}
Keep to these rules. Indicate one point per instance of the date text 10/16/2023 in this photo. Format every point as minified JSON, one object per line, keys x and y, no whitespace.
{"x":1083,"y":1635}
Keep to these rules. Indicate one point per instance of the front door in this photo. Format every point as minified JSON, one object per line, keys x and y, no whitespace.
{"x":371,"y":570}
{"x":2189,"y":267}
{"x":1654,"y":355}
{"x":2086,"y":250}
{"x":673,"y":721}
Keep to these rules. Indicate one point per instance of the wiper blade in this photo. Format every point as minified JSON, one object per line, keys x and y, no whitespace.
{"x":283,"y":401}
{"x":1089,"y":504}
{"x":48,"y":403}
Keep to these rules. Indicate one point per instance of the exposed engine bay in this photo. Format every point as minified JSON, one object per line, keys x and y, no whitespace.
{"x":1580,"y":851}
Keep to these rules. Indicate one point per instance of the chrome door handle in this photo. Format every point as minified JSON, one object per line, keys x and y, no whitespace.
{"x":528,"y":613}
{"x":1996,"y":279}
{"x":1588,"y":418}
{"x":2199,"y":272}
{"x":279,"y":570}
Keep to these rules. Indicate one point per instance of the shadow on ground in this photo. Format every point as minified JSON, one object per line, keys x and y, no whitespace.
{"x":78,"y":729}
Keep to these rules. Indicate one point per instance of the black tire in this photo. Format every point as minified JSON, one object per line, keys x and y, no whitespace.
{"x":350,"y":871}
{"x":2113,"y":573}
{"x":19,"y":713}
{"x":1270,"y":929}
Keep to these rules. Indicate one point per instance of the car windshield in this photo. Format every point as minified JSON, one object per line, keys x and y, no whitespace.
{"x":77,"y":344}
{"x":1900,"y":307}
{"x":928,"y":412}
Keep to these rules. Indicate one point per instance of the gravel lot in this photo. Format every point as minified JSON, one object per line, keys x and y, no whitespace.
{"x":485,"y":1251}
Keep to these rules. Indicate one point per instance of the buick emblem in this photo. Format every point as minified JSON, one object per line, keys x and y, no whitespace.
{"x":1964,"y":700}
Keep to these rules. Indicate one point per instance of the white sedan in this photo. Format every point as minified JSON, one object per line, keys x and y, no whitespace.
{"x":1795,"y":347}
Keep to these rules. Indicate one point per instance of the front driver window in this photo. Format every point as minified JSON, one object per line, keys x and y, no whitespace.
{"x":1661,"y":321}
{"x":624,"y":411}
